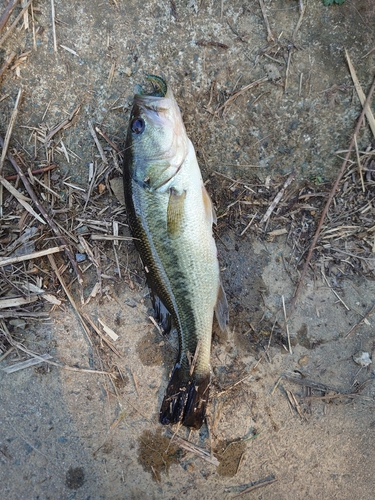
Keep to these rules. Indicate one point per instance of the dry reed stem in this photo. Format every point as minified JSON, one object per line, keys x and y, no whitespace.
{"x":334,"y":292}
{"x":53,"y":25}
{"x":17,"y":301}
{"x":35,"y":255}
{"x":25,"y":364}
{"x":68,"y":122}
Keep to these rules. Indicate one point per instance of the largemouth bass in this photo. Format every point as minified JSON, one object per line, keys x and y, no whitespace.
{"x":170,"y":216}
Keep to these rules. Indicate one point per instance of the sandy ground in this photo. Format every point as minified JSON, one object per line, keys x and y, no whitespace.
{"x":68,"y":434}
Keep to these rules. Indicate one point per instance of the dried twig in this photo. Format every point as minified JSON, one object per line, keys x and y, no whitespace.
{"x":103,"y":338}
{"x":23,"y":200}
{"x":68,"y":122}
{"x":211,"y":43}
{"x":111,"y":143}
{"x":286,"y":326}
{"x":15,"y":22}
{"x":200,"y":452}
{"x":270,"y":37}
{"x":367,"y":315}
{"x":98,"y":145}
{"x":45,"y":214}
{"x":241,"y":91}
{"x":294,"y":403}
{"x":359,"y":164}
{"x":318,"y":386}
{"x":70,"y":297}
{"x":7,"y":63}
{"x":334,"y":292}
{"x":7,"y":12}
{"x":260,"y":484}
{"x":25,"y":364}
{"x":33,"y":172}
{"x":278,"y":197}
{"x":298,"y":25}
{"x":9,"y":130}
{"x":361,"y":94}
{"x":64,"y":367}
{"x":330,"y":198}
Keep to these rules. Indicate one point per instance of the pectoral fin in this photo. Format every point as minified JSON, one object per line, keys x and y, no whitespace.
{"x":221,"y":309}
{"x":175,"y":213}
{"x":208,"y":206}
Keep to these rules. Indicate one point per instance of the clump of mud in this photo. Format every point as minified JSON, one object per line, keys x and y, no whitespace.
{"x":156,"y":453}
{"x":75,"y":477}
{"x":230,"y":454}
{"x":149,"y":351}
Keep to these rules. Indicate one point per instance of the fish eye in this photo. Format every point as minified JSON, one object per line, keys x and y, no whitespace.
{"x":137,"y":125}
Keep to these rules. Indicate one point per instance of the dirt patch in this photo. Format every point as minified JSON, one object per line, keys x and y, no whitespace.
{"x":75,"y":478}
{"x":231,"y":454}
{"x":156,"y":453}
{"x":149,"y":352}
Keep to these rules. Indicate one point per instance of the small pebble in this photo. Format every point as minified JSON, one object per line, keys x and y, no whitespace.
{"x":18,"y":323}
{"x":303,"y":360}
{"x":80,"y":257}
{"x":362,"y":358}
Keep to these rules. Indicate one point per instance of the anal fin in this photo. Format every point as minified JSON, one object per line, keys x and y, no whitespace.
{"x":222,"y":309}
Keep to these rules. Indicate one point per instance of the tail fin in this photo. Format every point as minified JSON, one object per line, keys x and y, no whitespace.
{"x":185,"y":399}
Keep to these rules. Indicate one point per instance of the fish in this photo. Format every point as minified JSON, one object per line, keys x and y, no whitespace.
{"x":170,"y":216}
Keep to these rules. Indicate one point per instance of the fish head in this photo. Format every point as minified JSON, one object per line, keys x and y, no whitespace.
{"x":157,"y":143}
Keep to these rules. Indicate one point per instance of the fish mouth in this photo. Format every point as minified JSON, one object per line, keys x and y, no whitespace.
{"x":157,"y":103}
{"x":160,"y":87}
